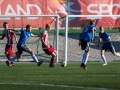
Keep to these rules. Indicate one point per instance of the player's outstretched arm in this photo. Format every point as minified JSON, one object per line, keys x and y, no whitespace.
{"x":15,"y":30}
{"x":34,"y":35}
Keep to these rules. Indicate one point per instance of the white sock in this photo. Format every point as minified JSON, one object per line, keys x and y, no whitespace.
{"x":13,"y":58}
{"x":103,"y":58}
{"x":34,"y":58}
{"x":86,"y":58}
{"x":118,"y":54}
{"x":83,"y":59}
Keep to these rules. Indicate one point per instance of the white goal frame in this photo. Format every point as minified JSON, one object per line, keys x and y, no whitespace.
{"x":56,"y":25}
{"x":66,"y":29}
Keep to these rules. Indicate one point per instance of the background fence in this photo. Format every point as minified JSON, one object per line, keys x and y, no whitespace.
{"x":74,"y":51}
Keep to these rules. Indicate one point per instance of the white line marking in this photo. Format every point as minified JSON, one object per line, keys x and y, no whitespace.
{"x":52,"y":85}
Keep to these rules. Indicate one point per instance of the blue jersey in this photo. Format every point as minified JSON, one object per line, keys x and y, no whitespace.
{"x":23,"y":36}
{"x":87,"y":33}
{"x":105,"y":37}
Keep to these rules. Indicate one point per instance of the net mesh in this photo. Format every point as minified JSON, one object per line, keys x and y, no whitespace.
{"x":74,"y":52}
{"x":33,"y":43}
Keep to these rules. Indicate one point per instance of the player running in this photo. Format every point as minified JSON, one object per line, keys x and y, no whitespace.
{"x":24,"y":34}
{"x":9,"y":45}
{"x":107,"y":44}
{"x":47,"y":48}
{"x":85,"y":39}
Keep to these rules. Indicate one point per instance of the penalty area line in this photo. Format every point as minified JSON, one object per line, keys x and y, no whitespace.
{"x":53,"y":85}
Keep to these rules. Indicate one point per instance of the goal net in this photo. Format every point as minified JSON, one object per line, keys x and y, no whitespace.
{"x":38,"y":23}
{"x":74,"y":25}
{"x":66,"y":39}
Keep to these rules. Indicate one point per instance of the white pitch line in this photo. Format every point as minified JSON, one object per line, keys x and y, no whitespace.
{"x":52,"y":85}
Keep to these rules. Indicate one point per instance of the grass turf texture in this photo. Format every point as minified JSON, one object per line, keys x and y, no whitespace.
{"x":28,"y":76}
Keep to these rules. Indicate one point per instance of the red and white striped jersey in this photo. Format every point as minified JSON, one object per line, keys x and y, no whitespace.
{"x":9,"y":36}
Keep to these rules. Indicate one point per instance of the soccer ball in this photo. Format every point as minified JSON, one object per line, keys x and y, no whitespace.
{"x":63,"y":64}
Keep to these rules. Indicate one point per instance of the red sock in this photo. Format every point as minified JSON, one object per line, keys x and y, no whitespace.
{"x":52,"y":61}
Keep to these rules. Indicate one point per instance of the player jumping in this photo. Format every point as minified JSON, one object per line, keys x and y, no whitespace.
{"x":85,"y":39}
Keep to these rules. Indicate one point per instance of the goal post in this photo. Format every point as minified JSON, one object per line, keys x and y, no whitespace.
{"x":23,"y":19}
{"x":97,"y":17}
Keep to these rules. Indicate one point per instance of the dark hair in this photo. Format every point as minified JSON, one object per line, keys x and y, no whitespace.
{"x":28,"y":26}
{"x":100,"y":27}
{"x":47,"y":26}
{"x":92,"y":22}
{"x":4,"y":24}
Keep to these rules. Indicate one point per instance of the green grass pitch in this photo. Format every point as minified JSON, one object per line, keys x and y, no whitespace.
{"x":28,"y":76}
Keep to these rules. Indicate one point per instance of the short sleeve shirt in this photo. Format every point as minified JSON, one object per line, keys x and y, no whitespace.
{"x":105,"y":37}
{"x":24,"y":34}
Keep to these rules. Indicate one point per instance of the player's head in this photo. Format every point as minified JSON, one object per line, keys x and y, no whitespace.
{"x":92,"y":22}
{"x":47,"y":27}
{"x":28,"y":27}
{"x":5,"y":25}
{"x":101,"y":28}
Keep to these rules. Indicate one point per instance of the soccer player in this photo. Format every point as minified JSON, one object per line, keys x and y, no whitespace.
{"x":85,"y":39}
{"x":9,"y":45}
{"x":107,"y":44}
{"x":47,"y":48}
{"x":24,"y":34}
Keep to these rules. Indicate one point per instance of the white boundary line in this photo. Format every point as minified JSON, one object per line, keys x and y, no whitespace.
{"x":52,"y":85}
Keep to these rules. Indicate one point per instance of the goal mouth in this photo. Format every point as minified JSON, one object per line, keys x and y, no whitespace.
{"x":73,"y":27}
{"x":38,"y":23}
